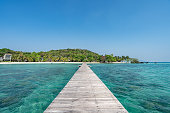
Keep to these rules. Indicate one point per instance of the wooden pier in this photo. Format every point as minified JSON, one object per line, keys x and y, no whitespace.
{"x":85,"y":93}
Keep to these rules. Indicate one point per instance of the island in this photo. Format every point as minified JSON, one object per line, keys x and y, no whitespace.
{"x":62,"y":55}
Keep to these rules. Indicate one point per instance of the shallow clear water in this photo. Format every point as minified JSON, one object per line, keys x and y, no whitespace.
{"x":139,"y":87}
{"x":30,"y":88}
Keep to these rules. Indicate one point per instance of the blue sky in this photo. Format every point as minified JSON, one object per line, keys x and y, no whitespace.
{"x":138,"y":28}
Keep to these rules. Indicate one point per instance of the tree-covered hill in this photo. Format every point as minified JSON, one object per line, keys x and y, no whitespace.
{"x":63,"y":55}
{"x":72,"y":55}
{"x":5,"y":50}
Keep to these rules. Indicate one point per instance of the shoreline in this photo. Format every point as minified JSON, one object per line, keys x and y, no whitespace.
{"x":57,"y":62}
{"x":44,"y":62}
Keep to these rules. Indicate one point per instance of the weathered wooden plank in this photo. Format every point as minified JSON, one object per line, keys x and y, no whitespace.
{"x":85,"y":93}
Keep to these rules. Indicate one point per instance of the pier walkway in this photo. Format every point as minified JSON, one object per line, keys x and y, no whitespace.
{"x":85,"y":93}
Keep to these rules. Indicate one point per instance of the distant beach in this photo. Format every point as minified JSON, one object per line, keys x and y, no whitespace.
{"x":53,"y":62}
{"x":44,"y":62}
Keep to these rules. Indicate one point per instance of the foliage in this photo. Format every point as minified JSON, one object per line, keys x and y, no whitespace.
{"x":64,"y":55}
{"x":5,"y":50}
{"x":134,"y":60}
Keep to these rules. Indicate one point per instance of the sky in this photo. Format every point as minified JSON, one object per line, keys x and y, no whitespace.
{"x":137,"y":28}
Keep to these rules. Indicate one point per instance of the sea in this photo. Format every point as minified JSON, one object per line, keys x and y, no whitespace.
{"x":141,"y":88}
{"x":30,"y":88}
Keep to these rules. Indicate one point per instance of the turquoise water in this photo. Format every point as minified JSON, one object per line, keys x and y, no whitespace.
{"x":141,"y":88}
{"x":30,"y":88}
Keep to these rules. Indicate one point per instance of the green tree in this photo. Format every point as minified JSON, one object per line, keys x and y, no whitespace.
{"x":134,"y":60}
{"x":62,"y":55}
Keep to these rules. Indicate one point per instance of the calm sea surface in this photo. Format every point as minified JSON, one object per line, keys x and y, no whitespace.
{"x":30,"y":88}
{"x":141,"y":88}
